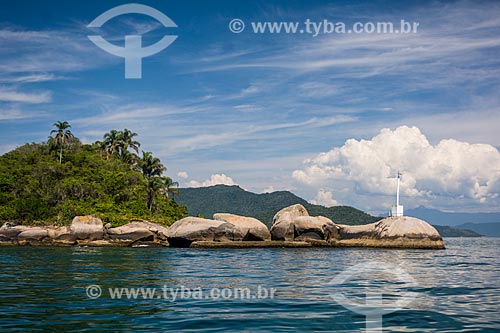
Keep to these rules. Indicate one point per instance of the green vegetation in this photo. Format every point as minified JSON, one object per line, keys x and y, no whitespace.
{"x":50,"y":183}
{"x":61,"y":137}
{"x":206,"y":201}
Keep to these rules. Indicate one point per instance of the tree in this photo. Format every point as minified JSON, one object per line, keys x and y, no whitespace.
{"x":62,"y":135}
{"x":34,"y":188}
{"x":127,"y":138}
{"x":169,"y":187}
{"x":152,"y":170}
{"x":111,"y":143}
{"x":118,"y":143}
{"x":150,"y":166}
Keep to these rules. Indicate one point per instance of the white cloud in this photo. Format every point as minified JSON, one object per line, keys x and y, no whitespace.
{"x":182,"y":174}
{"x":10,"y":95}
{"x":269,"y":189}
{"x":317,"y":89}
{"x":49,"y":51}
{"x":33,"y":78}
{"x":252,"y":89}
{"x":324,"y":198}
{"x":215,"y":179}
{"x":12,"y":114}
{"x":247,"y":107}
{"x":435,"y":174}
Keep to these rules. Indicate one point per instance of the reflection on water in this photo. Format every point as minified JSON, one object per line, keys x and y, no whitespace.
{"x":44,"y":288}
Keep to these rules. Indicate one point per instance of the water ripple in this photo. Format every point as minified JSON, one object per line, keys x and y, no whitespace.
{"x":44,"y":289}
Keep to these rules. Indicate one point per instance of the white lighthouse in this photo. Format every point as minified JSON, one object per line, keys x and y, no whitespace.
{"x":397,"y":210}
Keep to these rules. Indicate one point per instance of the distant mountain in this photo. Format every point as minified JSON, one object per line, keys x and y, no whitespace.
{"x":446,"y":231}
{"x":486,"y":224}
{"x":232,"y":199}
{"x":486,"y":229}
{"x":434,"y":216}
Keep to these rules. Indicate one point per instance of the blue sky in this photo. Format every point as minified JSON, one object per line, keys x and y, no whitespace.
{"x":275,"y":111}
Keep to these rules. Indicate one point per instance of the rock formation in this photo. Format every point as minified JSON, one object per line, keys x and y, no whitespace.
{"x":398,"y":232}
{"x":251,"y":228}
{"x":294,"y":223}
{"x":87,"y":227}
{"x":84,"y":230}
{"x":292,"y":227}
{"x":183,"y":232}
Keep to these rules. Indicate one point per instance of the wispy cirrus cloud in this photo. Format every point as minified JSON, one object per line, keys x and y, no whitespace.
{"x":31,"y":78}
{"x":46,"y":51}
{"x":10,"y":95}
{"x":12,"y":114}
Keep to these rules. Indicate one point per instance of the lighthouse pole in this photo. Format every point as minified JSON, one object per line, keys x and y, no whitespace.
{"x":397,"y":191}
{"x":397,"y":210}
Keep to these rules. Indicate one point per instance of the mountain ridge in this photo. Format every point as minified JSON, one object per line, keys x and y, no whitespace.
{"x":206,"y":201}
{"x":452,"y":219}
{"x":486,"y":224}
{"x":233,"y":199}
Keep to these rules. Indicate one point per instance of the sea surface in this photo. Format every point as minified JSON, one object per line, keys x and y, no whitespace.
{"x":57,"y":289}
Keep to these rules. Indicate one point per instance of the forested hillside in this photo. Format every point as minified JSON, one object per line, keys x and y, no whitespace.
{"x":53,"y":181}
{"x":206,"y":201}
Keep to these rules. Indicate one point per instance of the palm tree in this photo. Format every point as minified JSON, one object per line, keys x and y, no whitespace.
{"x":169,"y":187}
{"x":112,"y":143}
{"x":118,"y":142}
{"x":127,"y":138}
{"x":150,"y":166}
{"x":152,"y":169}
{"x":154,"y":186}
{"x":62,"y":135}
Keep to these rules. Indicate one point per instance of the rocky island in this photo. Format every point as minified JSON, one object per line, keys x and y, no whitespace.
{"x":292,"y":227}
{"x":44,"y":186}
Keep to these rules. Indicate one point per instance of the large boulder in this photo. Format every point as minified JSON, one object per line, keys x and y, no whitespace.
{"x":290,"y":213}
{"x":62,"y":235}
{"x":159,"y":230}
{"x":34,"y":233}
{"x":251,"y":228}
{"x":9,"y":231}
{"x":189,"y":229}
{"x":131,"y":232}
{"x":398,"y":232}
{"x":32,"y":236}
{"x":87,"y":227}
{"x":294,"y":223}
{"x":311,"y":227}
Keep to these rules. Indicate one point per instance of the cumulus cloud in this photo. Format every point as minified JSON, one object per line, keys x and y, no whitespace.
{"x":324,"y":198}
{"x":450,"y":169}
{"x":182,"y":174}
{"x":215,"y":179}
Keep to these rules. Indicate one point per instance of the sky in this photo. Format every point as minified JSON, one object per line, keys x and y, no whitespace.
{"x":331,"y":117}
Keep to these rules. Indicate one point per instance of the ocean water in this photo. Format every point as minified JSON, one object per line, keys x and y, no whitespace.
{"x":452,"y":290}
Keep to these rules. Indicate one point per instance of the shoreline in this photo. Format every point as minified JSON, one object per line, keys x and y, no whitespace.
{"x":292,"y":228}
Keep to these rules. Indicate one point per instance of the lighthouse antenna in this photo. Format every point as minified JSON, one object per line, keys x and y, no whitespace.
{"x":397,"y":210}
{"x":397,"y":191}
